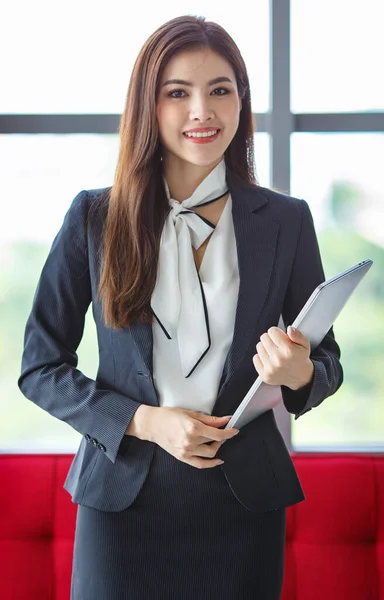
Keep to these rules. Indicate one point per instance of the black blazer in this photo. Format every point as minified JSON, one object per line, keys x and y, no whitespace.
{"x":279,"y":266}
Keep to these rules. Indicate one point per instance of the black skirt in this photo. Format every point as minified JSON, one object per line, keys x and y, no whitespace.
{"x":185,"y":537}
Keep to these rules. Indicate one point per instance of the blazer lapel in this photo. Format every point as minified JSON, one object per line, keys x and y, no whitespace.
{"x":256,"y":240}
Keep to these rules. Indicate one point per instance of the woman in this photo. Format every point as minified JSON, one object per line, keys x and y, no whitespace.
{"x":188,"y":264}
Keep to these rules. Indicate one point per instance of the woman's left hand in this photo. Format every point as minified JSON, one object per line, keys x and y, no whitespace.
{"x":283,"y":358}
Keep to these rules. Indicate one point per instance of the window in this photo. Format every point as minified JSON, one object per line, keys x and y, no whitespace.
{"x":340,"y":177}
{"x":42,"y":176}
{"x":72,"y":68}
{"x":78,"y":59}
{"x":337,"y":50}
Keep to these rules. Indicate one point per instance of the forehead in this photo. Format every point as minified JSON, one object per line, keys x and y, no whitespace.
{"x":197,"y":65}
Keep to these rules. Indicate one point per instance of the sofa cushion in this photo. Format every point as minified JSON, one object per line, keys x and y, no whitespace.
{"x":334,"y":541}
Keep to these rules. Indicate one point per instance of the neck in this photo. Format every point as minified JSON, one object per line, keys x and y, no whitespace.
{"x":183,"y":177}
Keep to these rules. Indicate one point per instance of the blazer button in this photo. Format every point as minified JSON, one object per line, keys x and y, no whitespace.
{"x":102,"y":447}
{"x":94,"y":442}
{"x":87,"y":437}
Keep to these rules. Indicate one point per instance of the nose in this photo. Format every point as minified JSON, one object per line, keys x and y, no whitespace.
{"x":201,"y":109}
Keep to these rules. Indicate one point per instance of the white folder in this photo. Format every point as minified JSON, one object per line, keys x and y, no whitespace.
{"x":314,"y":321}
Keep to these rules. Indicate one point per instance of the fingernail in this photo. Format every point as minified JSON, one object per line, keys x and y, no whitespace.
{"x":221,"y":462}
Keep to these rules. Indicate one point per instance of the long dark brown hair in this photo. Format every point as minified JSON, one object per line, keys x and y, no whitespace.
{"x":137,"y":203}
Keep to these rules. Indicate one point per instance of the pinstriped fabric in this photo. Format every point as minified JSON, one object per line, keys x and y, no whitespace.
{"x":328,"y":374}
{"x":279,"y":266}
{"x":53,"y":333}
{"x":193,"y":543}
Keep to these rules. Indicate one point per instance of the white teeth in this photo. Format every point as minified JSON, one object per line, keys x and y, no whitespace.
{"x":195,"y":134}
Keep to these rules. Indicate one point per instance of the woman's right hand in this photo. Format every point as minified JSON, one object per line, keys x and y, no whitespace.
{"x":184,"y":433}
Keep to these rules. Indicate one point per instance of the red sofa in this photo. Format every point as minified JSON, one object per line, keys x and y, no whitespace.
{"x":334,"y":547}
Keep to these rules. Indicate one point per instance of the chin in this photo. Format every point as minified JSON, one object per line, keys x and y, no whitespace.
{"x":199,"y":157}
{"x":204,"y":160}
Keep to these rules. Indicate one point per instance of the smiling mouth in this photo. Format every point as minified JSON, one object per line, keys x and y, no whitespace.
{"x":200,"y":135}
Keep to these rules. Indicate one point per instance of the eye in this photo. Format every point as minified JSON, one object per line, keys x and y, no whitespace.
{"x":223,"y":91}
{"x":182,"y":94}
{"x":175,"y":94}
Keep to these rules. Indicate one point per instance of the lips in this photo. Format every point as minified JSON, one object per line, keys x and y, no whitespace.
{"x":202,"y":139}
{"x":202,"y":129}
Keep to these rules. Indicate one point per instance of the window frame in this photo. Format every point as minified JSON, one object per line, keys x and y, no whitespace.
{"x":279,"y":122}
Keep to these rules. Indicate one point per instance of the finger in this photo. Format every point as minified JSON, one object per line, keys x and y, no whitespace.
{"x":211,"y":420}
{"x":204,"y":463}
{"x":258,"y":363}
{"x":211,"y":433}
{"x":207,"y":450}
{"x":277,"y":336}
{"x":267,"y":344}
{"x":262,"y":353}
{"x":297,"y":337}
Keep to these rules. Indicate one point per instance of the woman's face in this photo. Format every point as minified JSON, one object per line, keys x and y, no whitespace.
{"x":198,"y":92}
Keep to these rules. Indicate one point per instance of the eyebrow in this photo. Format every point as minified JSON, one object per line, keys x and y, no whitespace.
{"x":189,"y":83}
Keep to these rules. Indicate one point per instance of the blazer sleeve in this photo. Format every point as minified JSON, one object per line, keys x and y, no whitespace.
{"x":307,"y":273}
{"x":53,"y":332}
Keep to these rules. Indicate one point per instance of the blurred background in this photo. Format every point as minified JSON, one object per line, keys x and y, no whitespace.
{"x":318,"y":96}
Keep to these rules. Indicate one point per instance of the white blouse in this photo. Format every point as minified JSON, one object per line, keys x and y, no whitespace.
{"x":220,"y":280}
